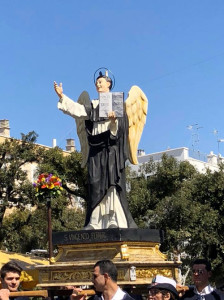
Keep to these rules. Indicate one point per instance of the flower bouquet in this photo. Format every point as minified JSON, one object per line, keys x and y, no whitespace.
{"x":47,"y":186}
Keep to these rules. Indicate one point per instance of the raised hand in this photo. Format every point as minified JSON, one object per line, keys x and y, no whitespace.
{"x":58,"y":89}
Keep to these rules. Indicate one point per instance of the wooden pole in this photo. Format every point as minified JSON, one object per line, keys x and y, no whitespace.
{"x":50,"y":244}
{"x":39,"y":293}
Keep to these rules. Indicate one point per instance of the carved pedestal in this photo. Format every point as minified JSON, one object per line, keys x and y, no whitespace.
{"x":134,"y":251}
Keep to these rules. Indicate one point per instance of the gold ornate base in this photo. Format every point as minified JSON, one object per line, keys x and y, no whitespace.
{"x":137,"y":263}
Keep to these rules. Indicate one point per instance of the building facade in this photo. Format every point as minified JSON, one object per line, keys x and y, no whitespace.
{"x":200,"y":161}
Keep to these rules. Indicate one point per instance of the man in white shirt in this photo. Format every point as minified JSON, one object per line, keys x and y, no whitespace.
{"x":201,"y":272}
{"x":105,"y":284}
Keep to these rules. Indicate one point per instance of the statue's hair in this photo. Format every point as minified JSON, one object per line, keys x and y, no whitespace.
{"x":108,"y":79}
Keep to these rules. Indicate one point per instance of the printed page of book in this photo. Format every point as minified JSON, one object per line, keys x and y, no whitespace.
{"x":111,"y":102}
{"x":118,"y":103}
{"x":105,"y":104}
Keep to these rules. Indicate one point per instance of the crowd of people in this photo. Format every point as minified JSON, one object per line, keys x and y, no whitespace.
{"x":105,"y":284}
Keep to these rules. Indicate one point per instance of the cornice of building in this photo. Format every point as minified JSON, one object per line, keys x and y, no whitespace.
{"x":3,"y":139}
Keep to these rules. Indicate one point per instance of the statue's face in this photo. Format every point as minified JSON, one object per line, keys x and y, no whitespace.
{"x":102,"y":86}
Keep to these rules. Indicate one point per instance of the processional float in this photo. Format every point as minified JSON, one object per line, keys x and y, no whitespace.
{"x":109,"y":131}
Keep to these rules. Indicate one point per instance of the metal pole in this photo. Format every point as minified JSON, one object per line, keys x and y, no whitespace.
{"x":50,"y":244}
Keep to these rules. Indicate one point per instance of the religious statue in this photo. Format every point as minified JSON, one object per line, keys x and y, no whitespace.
{"x":106,"y":144}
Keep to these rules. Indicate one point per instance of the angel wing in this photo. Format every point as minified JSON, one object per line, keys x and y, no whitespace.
{"x":136,"y":107}
{"x":80,"y":126}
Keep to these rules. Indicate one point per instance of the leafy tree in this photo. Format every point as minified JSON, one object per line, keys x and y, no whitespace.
{"x":27,"y":230}
{"x":14,"y":185}
{"x":154,"y":182}
{"x":137,"y":187}
{"x":186,"y":204}
{"x":29,"y":227}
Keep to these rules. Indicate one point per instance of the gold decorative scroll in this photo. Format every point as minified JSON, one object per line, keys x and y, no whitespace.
{"x":72,"y":276}
{"x":146,"y":273}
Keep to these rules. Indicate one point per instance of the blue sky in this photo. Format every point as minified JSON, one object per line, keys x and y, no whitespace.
{"x":173,"y":50}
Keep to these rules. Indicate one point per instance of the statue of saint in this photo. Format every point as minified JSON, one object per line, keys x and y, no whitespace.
{"x":106,"y":144}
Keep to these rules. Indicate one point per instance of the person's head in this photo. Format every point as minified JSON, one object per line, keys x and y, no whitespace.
{"x":201,"y":272}
{"x":103,"y":83}
{"x":163,"y":288}
{"x":10,"y":276}
{"x":104,"y":273}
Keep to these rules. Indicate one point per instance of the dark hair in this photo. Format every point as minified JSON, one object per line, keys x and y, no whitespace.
{"x":165,"y":292}
{"x":164,"y":288}
{"x":108,"y":79}
{"x":10,"y":267}
{"x":107,"y":266}
{"x":203,"y":261}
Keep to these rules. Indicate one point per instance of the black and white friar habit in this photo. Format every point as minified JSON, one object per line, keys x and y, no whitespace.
{"x":107,"y":205}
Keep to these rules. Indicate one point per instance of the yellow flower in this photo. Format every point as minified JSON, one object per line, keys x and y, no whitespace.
{"x":50,"y":186}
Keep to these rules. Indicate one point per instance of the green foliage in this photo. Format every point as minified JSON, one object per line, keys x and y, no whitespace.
{"x":64,"y":217}
{"x":25,"y":229}
{"x":14,"y":186}
{"x":186,"y":204}
{"x":138,"y":191}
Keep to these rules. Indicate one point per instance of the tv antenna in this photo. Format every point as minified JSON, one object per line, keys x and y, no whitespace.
{"x":194,"y":135}
{"x":216,"y":132}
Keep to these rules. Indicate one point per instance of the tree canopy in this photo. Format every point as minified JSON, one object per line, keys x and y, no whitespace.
{"x":26,"y":227}
{"x":187,"y":205}
{"x":14,"y":185}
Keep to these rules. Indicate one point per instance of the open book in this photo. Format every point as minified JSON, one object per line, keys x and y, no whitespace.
{"x":111,"y":102}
